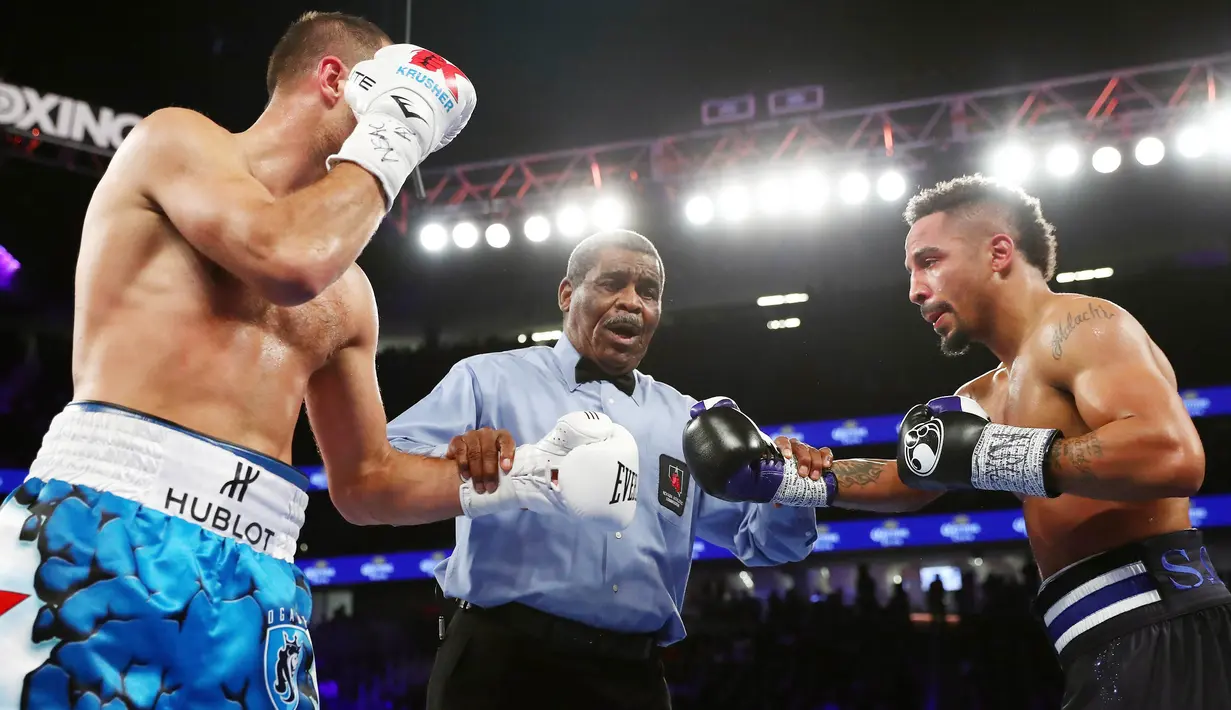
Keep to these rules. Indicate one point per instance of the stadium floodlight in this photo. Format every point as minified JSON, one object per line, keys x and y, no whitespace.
{"x":537,"y":228}
{"x":571,"y":221}
{"x":497,"y":236}
{"x":853,"y":188}
{"x":1105,"y":160}
{"x":465,"y":235}
{"x":783,"y":323}
{"x":546,"y":336}
{"x":733,"y":204}
{"x":773,"y":196}
{"x":1012,"y":163}
{"x":608,"y":213}
{"x":1149,"y":151}
{"x":1063,"y":160}
{"x":1193,"y":142}
{"x":1104,"y":272}
{"x":433,"y":237}
{"x":521,"y":338}
{"x":781,"y":299}
{"x":890,"y":186}
{"x":699,"y":209}
{"x":808,"y":191}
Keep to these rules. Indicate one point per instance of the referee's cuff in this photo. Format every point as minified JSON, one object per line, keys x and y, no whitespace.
{"x":407,"y":446}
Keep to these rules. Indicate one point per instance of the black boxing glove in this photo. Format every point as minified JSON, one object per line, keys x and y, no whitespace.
{"x":951,"y":444}
{"x":732,"y":459}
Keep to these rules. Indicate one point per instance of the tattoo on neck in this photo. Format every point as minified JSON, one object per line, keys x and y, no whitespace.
{"x":1079,"y":454}
{"x":1065,"y":328}
{"x":857,"y":472}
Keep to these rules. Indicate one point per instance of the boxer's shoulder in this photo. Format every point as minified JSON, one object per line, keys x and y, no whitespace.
{"x":174,"y":132}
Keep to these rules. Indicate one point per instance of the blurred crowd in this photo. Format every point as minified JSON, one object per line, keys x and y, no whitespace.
{"x":978,"y":648}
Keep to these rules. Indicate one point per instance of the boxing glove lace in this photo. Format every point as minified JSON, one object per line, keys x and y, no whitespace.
{"x":732,"y":459}
{"x":409,"y":102}
{"x":594,"y":462}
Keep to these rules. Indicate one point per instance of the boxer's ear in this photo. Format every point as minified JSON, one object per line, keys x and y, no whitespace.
{"x":330,"y":74}
{"x":565,"y":296}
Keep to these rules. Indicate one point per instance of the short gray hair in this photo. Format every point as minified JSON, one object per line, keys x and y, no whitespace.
{"x":586,"y":254}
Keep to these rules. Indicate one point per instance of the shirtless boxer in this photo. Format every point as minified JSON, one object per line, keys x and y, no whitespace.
{"x":148,"y":558}
{"x":1089,"y":432}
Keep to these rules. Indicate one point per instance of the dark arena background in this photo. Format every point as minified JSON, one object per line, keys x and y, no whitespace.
{"x":768,"y":150}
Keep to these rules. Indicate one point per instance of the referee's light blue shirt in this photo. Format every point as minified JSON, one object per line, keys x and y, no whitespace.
{"x":631,"y":581}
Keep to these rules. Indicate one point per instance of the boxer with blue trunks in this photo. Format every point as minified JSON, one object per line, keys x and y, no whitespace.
{"x":148,"y":559}
{"x":148,"y":563}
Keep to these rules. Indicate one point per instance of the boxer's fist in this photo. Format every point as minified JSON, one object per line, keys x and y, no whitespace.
{"x":586,"y":467}
{"x":482,"y":455}
{"x":733,"y":460}
{"x":408,"y":103}
{"x":950,"y":443}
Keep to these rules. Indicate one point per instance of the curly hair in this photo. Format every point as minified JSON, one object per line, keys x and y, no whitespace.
{"x":1022,"y":215}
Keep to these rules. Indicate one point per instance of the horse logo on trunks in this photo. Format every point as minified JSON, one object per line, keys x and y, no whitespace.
{"x":289,"y":661}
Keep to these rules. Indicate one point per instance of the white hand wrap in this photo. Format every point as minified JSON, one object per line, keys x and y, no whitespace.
{"x":595,"y":462}
{"x":1012,"y":459}
{"x":799,"y":492}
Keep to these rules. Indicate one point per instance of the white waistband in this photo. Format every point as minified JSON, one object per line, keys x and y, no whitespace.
{"x":225,"y":489}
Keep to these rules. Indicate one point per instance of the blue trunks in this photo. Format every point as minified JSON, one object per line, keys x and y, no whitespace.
{"x":146,"y":566}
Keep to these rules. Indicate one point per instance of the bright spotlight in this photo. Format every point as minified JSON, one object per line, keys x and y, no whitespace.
{"x":1105,"y":159}
{"x":733,"y":204}
{"x":1063,"y":160}
{"x":537,"y":228}
{"x":433,"y":237}
{"x":773,"y":196}
{"x":1012,"y":164}
{"x":699,"y":209}
{"x":1192,"y":142}
{"x":571,"y":221}
{"x":853,"y":188}
{"x":497,"y":236}
{"x":465,"y":235}
{"x":608,"y":213}
{"x":808,"y":192}
{"x":1149,"y":151}
{"x":890,"y":186}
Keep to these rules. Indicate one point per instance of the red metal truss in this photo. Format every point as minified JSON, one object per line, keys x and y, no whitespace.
{"x":1117,"y":103}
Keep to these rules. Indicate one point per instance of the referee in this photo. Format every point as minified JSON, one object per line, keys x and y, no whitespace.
{"x":551,"y":614}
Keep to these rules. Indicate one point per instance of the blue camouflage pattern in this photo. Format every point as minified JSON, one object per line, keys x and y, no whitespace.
{"x":151,"y":612}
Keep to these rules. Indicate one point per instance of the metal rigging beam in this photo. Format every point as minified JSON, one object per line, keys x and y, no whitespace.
{"x":1110,"y":105}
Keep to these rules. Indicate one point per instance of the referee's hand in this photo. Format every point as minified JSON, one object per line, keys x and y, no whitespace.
{"x":482,"y":455}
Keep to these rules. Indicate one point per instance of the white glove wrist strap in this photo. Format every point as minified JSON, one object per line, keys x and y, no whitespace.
{"x":385,"y":148}
{"x":1012,"y":459}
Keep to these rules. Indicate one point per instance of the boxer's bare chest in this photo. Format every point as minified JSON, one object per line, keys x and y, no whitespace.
{"x":1020,"y":394}
{"x":312,"y":330}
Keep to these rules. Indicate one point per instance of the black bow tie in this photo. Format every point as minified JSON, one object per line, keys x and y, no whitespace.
{"x":587,"y":371}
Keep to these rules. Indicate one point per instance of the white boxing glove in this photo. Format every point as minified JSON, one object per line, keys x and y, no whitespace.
{"x":409,"y":102}
{"x":593,"y":461}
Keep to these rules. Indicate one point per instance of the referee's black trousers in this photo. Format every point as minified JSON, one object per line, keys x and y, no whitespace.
{"x":513,"y":655}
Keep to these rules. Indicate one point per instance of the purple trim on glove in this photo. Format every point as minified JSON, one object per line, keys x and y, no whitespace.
{"x":758,"y":482}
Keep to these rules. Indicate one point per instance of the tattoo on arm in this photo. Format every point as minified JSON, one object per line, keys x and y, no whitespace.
{"x":1072,"y":321}
{"x":1079,"y":454}
{"x":857,"y":472}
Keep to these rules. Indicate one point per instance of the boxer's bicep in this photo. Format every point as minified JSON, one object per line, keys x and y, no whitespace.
{"x":1142,"y":441}
{"x":344,"y":404}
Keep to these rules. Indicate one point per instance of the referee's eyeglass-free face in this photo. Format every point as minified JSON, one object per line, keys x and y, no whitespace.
{"x":612,"y":314}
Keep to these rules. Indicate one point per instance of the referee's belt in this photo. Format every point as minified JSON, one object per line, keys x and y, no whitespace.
{"x":1091,"y":602}
{"x":566,"y":635}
